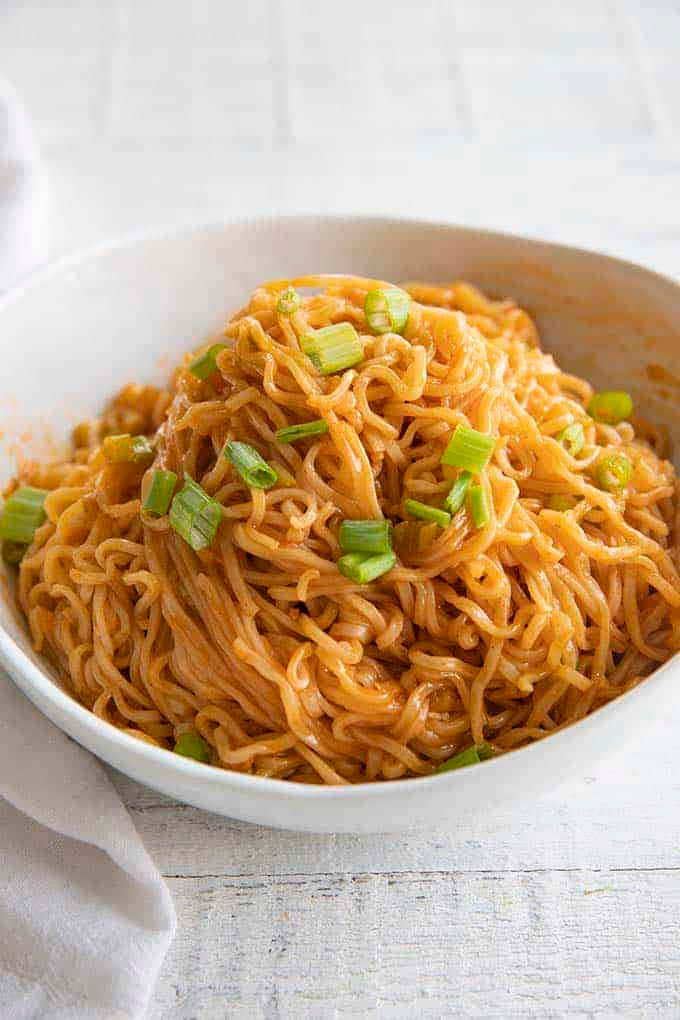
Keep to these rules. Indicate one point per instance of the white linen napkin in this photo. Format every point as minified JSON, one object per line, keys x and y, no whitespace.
{"x":85,"y":917}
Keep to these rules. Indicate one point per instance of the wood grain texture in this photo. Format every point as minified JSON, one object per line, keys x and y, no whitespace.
{"x":567,"y":908}
{"x":560,"y":120}
{"x":425,"y":944}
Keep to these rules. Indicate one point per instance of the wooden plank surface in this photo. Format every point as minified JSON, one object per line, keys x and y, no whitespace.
{"x":565,"y":907}
{"x":425,"y":944}
{"x":559,"y":120}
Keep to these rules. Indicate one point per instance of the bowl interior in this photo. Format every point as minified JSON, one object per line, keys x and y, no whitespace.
{"x":80,"y":330}
{"x":83,"y":329}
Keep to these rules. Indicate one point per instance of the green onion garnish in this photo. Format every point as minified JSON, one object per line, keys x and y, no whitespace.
{"x":160,"y":493}
{"x":423,"y":512}
{"x":561,"y":503}
{"x":190,"y":745}
{"x":478,"y":506}
{"x":413,"y":537}
{"x":13,"y":552}
{"x":333,"y":348}
{"x":127,"y":449}
{"x":456,"y":496}
{"x":611,"y":407}
{"x":195,"y":516}
{"x":365,"y":536}
{"x":289,"y":301}
{"x":387,"y":309}
{"x":142,"y":450}
{"x":294,"y":432}
{"x":470,"y":756}
{"x":364,"y":568}
{"x":613,"y":472}
{"x":573,"y":438}
{"x":468,"y":449}
{"x":253,"y":469}
{"x":285,"y":478}
{"x":22,"y":514}
{"x":205,"y":364}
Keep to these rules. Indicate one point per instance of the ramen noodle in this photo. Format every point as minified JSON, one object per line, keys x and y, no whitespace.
{"x":509,"y":564}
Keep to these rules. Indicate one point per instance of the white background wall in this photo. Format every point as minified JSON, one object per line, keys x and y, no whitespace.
{"x":556,"y":119}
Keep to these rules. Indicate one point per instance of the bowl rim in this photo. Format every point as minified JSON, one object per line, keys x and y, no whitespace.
{"x":49,"y":688}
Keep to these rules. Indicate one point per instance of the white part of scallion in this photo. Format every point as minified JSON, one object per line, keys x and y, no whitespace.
{"x":333,"y":348}
{"x":22,"y":514}
{"x":195,"y":516}
{"x":468,"y":449}
{"x":387,"y":309}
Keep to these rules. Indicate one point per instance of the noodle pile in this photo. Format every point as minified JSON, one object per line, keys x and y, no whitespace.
{"x":499,"y":634}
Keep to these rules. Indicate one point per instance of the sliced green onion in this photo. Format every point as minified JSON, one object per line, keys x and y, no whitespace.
{"x":561,"y":503}
{"x":413,"y":537}
{"x":22,"y":514}
{"x":289,"y":301}
{"x":253,"y":469}
{"x":284,"y":477}
{"x":478,"y":506}
{"x":364,"y":568}
{"x":190,"y":745}
{"x":470,"y":756}
{"x":205,"y":364}
{"x":160,"y":493}
{"x":456,"y":496}
{"x":365,"y":536}
{"x":333,"y":348}
{"x":142,"y":450}
{"x":611,"y":407}
{"x":423,"y":512}
{"x":613,"y":472}
{"x":468,"y":449}
{"x":195,"y":516}
{"x":387,"y":309}
{"x":573,"y":438}
{"x":13,"y":552}
{"x":294,"y":432}
{"x":127,"y":449}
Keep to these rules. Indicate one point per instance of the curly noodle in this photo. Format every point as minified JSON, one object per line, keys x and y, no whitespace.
{"x":503,"y":633}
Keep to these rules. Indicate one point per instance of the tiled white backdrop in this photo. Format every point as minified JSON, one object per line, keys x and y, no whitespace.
{"x":557,"y":118}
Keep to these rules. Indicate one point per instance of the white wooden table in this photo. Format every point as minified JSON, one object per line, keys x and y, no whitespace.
{"x":554,"y":119}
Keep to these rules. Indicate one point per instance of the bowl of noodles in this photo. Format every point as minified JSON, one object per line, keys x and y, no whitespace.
{"x":342,"y":524}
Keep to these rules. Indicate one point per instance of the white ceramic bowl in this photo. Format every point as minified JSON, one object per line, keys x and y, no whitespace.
{"x":80,"y":329}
